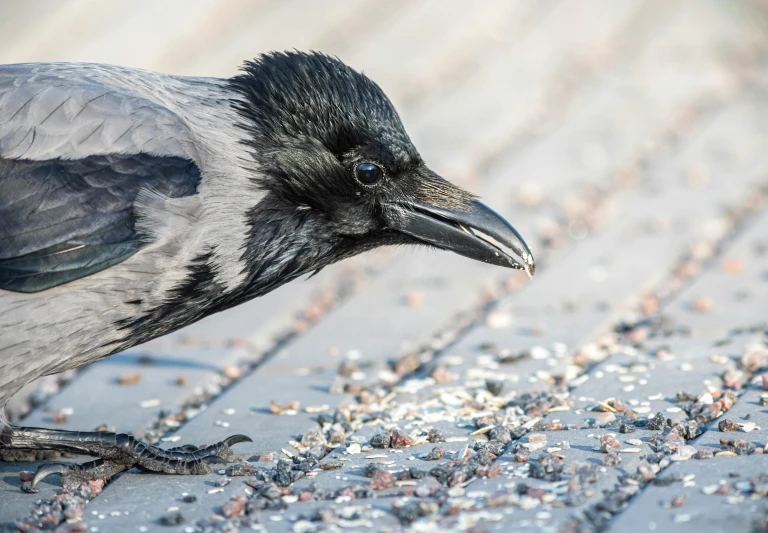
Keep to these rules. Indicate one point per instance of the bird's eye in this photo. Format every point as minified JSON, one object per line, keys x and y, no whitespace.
{"x":368,"y":173}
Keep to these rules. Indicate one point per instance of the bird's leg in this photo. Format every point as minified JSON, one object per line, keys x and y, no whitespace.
{"x":116,"y":452}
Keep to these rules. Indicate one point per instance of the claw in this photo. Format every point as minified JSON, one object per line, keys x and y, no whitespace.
{"x":47,"y":469}
{"x":236,"y":439}
{"x":118,"y":452}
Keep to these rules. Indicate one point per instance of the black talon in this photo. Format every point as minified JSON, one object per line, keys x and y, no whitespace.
{"x":48,"y":469}
{"x":236,"y":439}
{"x":116,"y":453}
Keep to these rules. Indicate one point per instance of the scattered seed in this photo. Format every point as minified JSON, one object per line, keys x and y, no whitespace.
{"x":481,"y":431}
{"x":703,"y":305}
{"x":289,"y":409}
{"x":733,"y":266}
{"x":398,"y":439}
{"x":354,"y":448}
{"x":130,"y":379}
{"x":415,"y":299}
{"x":608,"y":443}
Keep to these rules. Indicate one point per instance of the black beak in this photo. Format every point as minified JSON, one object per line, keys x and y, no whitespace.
{"x":478,"y":233}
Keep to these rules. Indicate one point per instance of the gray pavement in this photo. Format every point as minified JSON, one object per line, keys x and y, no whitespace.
{"x":625,"y":139}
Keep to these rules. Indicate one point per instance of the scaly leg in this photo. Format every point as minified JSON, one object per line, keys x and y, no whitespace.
{"x":116,"y":453}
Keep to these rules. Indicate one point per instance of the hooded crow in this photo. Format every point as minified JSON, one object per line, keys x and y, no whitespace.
{"x":134,"y":203}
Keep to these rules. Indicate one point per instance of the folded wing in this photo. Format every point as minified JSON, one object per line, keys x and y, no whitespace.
{"x":77,"y":144}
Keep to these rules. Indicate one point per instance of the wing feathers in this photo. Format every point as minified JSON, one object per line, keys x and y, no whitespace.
{"x":52,"y":111}
{"x":78,"y":144}
{"x":63,"y":220}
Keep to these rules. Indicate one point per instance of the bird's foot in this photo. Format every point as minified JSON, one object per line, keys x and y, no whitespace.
{"x":116,"y":453}
{"x":73,"y":475}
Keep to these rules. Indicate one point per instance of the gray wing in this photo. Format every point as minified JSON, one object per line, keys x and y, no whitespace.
{"x":76,"y":147}
{"x":73,"y":111}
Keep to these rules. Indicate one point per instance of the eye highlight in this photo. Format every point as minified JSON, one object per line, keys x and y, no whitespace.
{"x":368,"y":173}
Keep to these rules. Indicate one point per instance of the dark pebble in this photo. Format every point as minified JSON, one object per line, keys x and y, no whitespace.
{"x":690,"y":429}
{"x":548,"y":468}
{"x":741,"y":447}
{"x":657,"y":423}
{"x":522,"y":454}
{"x":440,"y":473}
{"x":666,"y":481}
{"x":518,"y":433}
{"x":271,"y":491}
{"x":501,"y":434}
{"x":435,"y":435}
{"x":283,"y":474}
{"x":413,"y":510}
{"x":415,"y":473}
{"x":494,"y":386}
{"x":380,"y":440}
{"x":173,"y":519}
{"x":704,"y":454}
{"x":371,"y":469}
{"x":241,"y":469}
{"x":654,"y":458}
{"x":726,"y":426}
{"x":435,"y":454}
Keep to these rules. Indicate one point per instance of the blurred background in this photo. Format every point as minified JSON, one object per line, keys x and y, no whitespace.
{"x":550,"y":109}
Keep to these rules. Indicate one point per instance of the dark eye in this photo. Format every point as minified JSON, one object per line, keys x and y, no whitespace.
{"x":368,"y":173}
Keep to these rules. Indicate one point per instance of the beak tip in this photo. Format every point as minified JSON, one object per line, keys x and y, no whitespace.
{"x":530,"y":265}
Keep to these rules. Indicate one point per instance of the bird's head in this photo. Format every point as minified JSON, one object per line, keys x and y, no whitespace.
{"x":340,"y":170}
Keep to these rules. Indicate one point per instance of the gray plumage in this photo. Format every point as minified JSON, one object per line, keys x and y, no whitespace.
{"x":71,"y":112}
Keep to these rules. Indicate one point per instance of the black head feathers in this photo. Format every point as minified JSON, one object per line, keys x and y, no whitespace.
{"x":295,"y":95}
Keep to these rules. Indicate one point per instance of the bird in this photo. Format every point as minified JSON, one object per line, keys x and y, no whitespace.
{"x":134,"y":203}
